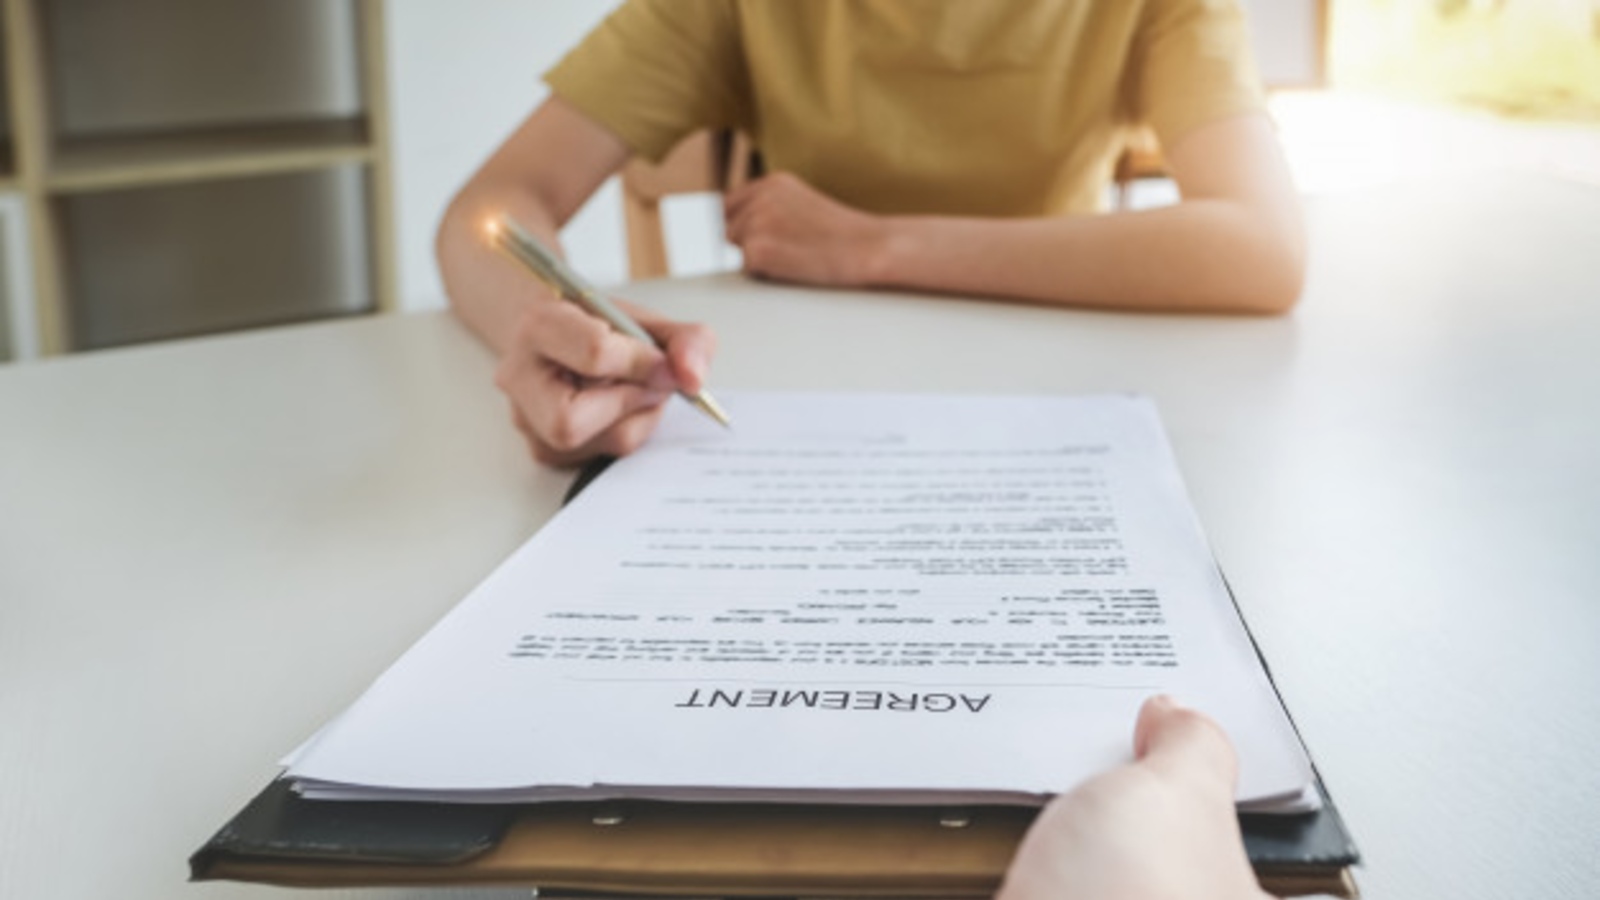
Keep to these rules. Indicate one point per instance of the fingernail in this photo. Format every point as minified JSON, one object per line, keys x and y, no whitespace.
{"x":1163,"y":703}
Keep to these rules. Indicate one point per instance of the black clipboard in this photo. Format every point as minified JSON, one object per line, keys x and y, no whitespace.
{"x":648,"y":848}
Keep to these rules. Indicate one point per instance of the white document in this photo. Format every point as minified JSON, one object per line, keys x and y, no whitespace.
{"x":899,"y":598}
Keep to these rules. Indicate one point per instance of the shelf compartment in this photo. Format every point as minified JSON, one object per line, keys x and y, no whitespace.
{"x":17,"y":328}
{"x":167,"y":91}
{"x":171,"y":65}
{"x":8,"y":311}
{"x":126,"y":160}
{"x":177,"y":260}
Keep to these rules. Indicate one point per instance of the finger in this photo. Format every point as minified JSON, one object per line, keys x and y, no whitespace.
{"x":768,"y":258}
{"x":760,"y":256}
{"x":622,"y":438}
{"x":580,"y":415}
{"x":1184,"y":744}
{"x":560,"y":411}
{"x":738,"y":225}
{"x":629,"y":434}
{"x":556,"y":459}
{"x":739,"y":198}
{"x":742,"y":216}
{"x":520,"y":421}
{"x":568,"y":336}
{"x":528,"y":386}
{"x":689,"y":347}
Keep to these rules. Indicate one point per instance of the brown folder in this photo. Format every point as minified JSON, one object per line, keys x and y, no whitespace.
{"x":675,"y":849}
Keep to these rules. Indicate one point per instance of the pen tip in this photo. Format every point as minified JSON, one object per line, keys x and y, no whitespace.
{"x":705,"y":404}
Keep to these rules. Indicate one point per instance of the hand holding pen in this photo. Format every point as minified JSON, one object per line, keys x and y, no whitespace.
{"x":590,"y":377}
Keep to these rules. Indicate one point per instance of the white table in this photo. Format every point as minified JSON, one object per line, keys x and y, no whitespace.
{"x":208,"y":548}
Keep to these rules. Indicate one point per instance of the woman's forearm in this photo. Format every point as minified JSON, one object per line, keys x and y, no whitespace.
{"x":1197,"y":256}
{"x":1235,"y":243}
{"x":541,"y":175}
{"x":485,"y":292}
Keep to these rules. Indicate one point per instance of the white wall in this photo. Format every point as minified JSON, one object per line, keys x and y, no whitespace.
{"x":1285,"y":35}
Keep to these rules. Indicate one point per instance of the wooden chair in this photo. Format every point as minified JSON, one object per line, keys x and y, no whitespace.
{"x":1140,"y":159}
{"x":704,"y":161}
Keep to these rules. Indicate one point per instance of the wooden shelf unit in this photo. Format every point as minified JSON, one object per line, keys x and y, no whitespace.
{"x":138,"y":160}
{"x":132,"y":132}
{"x":8,"y":311}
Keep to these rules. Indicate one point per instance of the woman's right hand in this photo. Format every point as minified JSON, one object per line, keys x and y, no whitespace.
{"x":579,"y":389}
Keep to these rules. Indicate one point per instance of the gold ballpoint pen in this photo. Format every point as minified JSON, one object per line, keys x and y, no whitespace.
{"x":514,"y":241}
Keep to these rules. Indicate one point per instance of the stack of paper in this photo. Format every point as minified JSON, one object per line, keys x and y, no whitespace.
{"x":852,"y":598}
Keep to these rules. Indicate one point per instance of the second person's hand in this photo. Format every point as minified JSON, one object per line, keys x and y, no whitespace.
{"x":1162,"y":827}
{"x":578,"y":389}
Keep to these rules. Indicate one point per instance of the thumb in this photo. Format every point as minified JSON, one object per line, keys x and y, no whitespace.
{"x":1185,"y":745}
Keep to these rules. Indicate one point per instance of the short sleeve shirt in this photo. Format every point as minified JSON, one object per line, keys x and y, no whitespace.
{"x":956,"y":107}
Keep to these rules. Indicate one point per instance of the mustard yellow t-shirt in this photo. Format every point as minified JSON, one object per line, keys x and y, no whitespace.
{"x":960,"y":107}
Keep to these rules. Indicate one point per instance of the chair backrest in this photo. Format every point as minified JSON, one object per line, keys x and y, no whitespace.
{"x":704,"y":161}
